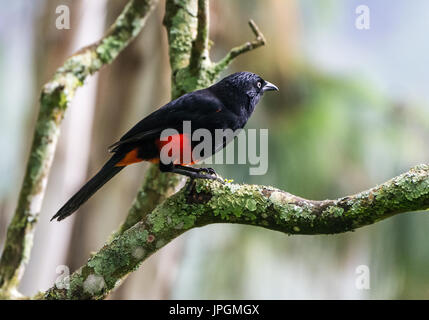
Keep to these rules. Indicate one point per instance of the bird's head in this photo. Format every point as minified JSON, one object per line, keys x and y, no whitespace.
{"x":245,"y":87}
{"x":249,"y":83}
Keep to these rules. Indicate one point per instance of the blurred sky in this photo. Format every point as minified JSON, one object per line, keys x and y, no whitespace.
{"x":392,"y":53}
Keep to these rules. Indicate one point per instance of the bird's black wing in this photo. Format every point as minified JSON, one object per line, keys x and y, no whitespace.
{"x":196,"y":107}
{"x":140,"y":136}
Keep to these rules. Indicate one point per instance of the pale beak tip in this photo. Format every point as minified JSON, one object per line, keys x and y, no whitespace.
{"x":270,"y":87}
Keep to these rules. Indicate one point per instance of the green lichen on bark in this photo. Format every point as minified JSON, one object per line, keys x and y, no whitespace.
{"x":210,"y":202}
{"x":126,"y":27}
{"x":180,"y":21}
{"x":213,"y":202}
{"x":156,"y":188}
{"x":55,"y":97}
{"x":105,"y":270}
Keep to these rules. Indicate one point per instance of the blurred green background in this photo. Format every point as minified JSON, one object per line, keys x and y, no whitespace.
{"x":352,"y":112}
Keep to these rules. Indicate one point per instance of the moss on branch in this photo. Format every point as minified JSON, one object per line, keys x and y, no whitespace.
{"x":212,"y":202}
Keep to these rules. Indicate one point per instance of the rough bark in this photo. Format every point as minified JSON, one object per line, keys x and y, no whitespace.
{"x":54,"y":100}
{"x":212,"y":202}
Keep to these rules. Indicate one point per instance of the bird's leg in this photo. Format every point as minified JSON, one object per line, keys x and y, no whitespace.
{"x":190,"y":172}
{"x":210,"y":171}
{"x":197,"y":171}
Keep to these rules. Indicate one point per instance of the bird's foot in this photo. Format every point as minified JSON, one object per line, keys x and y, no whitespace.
{"x":210,"y":171}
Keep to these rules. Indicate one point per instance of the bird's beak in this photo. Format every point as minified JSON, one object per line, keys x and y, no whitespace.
{"x":270,"y":87}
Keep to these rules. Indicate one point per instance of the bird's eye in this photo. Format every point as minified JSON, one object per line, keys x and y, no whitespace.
{"x":259,"y":84}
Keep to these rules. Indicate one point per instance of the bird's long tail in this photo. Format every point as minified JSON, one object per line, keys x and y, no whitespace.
{"x":107,"y":172}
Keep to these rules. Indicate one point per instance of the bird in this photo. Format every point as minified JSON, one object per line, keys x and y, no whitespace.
{"x":228,"y":104}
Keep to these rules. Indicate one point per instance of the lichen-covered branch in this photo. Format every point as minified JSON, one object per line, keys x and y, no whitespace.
{"x":180,"y":21}
{"x":156,"y":188}
{"x":55,"y":98}
{"x":248,"y":46}
{"x":212,"y":202}
{"x":200,"y":47}
{"x":187,"y":24}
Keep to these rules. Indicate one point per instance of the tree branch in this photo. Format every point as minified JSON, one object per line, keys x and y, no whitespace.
{"x":212,"y":202}
{"x":156,"y":188}
{"x":248,"y":46}
{"x":200,"y":47}
{"x":55,"y":97}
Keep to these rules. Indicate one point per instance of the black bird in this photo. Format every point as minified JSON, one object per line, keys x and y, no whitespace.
{"x":227,"y":104}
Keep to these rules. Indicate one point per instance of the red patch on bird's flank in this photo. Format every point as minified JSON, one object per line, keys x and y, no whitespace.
{"x":130,"y":157}
{"x":180,"y":143}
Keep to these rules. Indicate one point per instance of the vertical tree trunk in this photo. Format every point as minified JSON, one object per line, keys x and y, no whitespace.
{"x":69,"y":172}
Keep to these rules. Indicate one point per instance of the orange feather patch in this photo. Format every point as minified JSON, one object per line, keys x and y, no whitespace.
{"x":130,"y":157}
